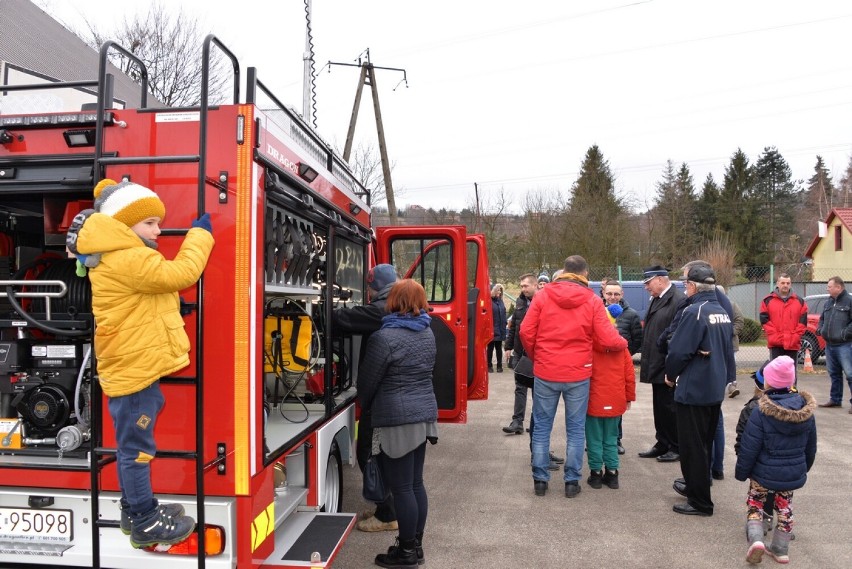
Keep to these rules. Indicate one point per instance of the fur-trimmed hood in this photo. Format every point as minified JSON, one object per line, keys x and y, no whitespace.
{"x":781,"y":405}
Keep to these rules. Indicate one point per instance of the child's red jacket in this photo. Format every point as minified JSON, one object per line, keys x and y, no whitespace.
{"x":613,"y":383}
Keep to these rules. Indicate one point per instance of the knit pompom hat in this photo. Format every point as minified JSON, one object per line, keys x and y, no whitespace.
{"x":615,"y":310}
{"x":780,"y":373}
{"x":127,"y":202}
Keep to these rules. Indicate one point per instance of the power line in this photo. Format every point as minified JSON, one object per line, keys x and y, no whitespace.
{"x":630,"y":50}
{"x":569,"y":176}
{"x":520,"y":27}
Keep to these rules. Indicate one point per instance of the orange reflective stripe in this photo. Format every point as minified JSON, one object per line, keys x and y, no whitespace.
{"x":144,"y":457}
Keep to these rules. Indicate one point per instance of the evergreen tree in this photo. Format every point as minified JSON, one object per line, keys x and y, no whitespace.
{"x":820,"y":190}
{"x":688,"y":204}
{"x":736,"y":213}
{"x":597,"y":222}
{"x":706,"y":209}
{"x":846,"y":186}
{"x":815,"y":202}
{"x":664,"y":217}
{"x":775,"y":199}
{"x":674,"y":216}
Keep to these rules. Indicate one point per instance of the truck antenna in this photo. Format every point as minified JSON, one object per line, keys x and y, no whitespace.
{"x":309,"y":92}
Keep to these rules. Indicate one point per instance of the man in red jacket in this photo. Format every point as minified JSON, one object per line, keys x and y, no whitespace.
{"x":558,"y":333}
{"x":784,"y":316}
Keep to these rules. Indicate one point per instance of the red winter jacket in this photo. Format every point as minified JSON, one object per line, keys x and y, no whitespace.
{"x":558,"y":329}
{"x":613,"y":383}
{"x":784,"y":320}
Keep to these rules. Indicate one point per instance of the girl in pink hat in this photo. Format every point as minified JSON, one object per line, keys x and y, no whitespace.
{"x":776,"y":452}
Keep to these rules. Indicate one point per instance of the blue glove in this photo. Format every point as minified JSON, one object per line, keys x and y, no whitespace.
{"x":615,"y":310}
{"x":203,"y":222}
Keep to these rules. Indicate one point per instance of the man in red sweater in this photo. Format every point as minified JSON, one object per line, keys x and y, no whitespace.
{"x":784,"y":317}
{"x":558,"y":333}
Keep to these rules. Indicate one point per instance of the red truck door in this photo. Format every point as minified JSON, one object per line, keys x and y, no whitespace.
{"x":436,"y":257}
{"x":480,"y":318}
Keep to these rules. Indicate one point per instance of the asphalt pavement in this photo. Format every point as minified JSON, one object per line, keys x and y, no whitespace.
{"x":483,"y":513}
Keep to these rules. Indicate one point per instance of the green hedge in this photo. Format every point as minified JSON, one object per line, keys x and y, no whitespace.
{"x":751,"y":331}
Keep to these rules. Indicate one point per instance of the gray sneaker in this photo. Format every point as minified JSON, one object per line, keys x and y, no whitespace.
{"x":161,"y":529}
{"x":171,"y":510}
{"x":732,"y":389}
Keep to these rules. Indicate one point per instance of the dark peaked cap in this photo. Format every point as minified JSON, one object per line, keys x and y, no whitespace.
{"x":655,"y":271}
{"x":701,"y":274}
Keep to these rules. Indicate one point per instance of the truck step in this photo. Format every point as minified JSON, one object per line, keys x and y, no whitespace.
{"x":304,"y":534}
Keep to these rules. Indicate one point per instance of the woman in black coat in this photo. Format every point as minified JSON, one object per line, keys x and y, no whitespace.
{"x":395,"y":386}
{"x":498,"y":311}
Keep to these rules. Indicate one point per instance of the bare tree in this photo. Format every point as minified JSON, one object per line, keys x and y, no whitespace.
{"x":489,"y":217}
{"x":169,"y":43}
{"x":488,"y":212}
{"x":366,"y":165}
{"x":542,"y":212}
{"x":721,"y":254}
{"x":442,"y":216}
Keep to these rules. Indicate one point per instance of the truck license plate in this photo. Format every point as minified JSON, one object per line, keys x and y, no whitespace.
{"x":31,"y":525}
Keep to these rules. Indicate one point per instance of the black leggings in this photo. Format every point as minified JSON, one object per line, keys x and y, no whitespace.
{"x":492,"y":346}
{"x":404,"y":477}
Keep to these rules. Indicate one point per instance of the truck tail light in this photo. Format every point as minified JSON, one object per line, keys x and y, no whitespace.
{"x":214,"y":543}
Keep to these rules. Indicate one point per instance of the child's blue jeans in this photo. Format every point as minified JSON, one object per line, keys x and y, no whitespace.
{"x":134,"y":417}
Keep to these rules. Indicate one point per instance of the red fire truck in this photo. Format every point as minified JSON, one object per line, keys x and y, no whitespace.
{"x":255,"y":432}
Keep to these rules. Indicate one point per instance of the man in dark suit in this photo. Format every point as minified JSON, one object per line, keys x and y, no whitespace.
{"x":666,"y":299}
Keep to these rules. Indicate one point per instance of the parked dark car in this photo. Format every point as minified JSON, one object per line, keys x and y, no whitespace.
{"x":635,"y":294}
{"x":810,"y":340}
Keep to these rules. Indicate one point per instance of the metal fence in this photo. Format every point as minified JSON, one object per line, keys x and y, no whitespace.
{"x":748,"y":297}
{"x":752,"y":285}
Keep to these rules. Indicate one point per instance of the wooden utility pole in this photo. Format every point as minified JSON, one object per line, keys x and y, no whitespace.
{"x":476,"y":192}
{"x":368,"y":77}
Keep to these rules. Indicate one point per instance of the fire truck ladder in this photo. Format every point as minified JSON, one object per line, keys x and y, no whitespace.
{"x":102,"y":456}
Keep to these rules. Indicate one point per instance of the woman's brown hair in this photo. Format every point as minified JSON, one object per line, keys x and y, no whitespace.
{"x":407,"y":297}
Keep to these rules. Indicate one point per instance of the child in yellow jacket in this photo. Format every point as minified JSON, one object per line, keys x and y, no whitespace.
{"x":139,"y":335}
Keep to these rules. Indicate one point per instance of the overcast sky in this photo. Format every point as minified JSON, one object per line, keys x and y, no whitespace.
{"x":511,"y":94}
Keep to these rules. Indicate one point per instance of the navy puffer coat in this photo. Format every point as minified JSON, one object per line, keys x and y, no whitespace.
{"x":779,"y":443}
{"x":395,"y":377}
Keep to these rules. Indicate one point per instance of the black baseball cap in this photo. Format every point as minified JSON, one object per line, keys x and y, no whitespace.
{"x":701,"y":274}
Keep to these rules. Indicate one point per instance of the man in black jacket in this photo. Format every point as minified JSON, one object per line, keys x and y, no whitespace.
{"x":365,"y":320}
{"x":523,"y":366}
{"x":629,"y":323}
{"x":513,"y":344}
{"x":835,"y":325}
{"x":652,"y":368}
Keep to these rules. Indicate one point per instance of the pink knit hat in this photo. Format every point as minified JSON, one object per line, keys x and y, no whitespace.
{"x":780,"y":373}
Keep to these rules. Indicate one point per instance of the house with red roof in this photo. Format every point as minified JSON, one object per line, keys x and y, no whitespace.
{"x":831,"y":248}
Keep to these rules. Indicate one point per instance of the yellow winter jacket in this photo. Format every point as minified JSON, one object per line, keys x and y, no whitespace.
{"x":139,"y":335}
